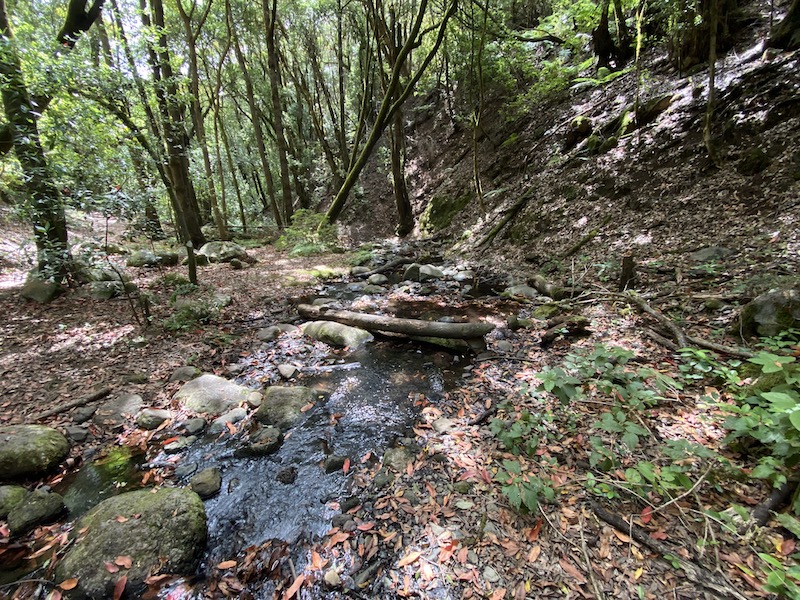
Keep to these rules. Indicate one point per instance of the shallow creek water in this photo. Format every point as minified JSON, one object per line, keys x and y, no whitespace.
{"x":364,"y":405}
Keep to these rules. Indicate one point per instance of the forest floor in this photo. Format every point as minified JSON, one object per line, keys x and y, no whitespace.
{"x":705,"y":239}
{"x":445,"y":527}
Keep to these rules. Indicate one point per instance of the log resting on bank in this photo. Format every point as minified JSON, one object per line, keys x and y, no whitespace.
{"x":411,"y":327}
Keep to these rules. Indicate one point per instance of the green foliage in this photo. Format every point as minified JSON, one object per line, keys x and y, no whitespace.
{"x":781,"y":579}
{"x":523,"y":491}
{"x":360,"y":257}
{"x":309,"y":234}
{"x":769,"y":413}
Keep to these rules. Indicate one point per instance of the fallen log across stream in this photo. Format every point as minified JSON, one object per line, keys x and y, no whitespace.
{"x":411,"y":327}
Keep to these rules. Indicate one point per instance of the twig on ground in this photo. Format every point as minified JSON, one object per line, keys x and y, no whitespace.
{"x":695,"y":573}
{"x":101,"y":393}
{"x":598,"y":591}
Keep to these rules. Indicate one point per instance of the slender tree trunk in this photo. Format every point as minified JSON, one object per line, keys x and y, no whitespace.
{"x":389,"y":105}
{"x":191,"y":35}
{"x":270,"y":17}
{"x":254,"y":115}
{"x":46,"y":210}
{"x":177,"y":141}
{"x":712,"y":86}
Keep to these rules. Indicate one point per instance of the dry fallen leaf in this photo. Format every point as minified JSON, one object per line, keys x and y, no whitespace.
{"x":571,"y":570}
{"x":111,"y":567}
{"x":499,"y":594}
{"x":534,"y":553}
{"x":295,"y":586}
{"x":226,"y":564}
{"x":119,"y":589}
{"x":365,"y":526}
{"x":409,"y":558}
{"x":68,"y":584}
{"x":124,"y":561}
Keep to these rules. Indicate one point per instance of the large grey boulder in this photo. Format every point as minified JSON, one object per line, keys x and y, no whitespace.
{"x":336,"y":334}
{"x":40,"y":291}
{"x":223,"y":252}
{"x":212,"y":394}
{"x":10,"y":496}
{"x":30,"y":450}
{"x":152,"y":418}
{"x":161,"y":531}
{"x":282,"y":406}
{"x":416,"y":272}
{"x":147,"y":258}
{"x":39,"y":506}
{"x":116,"y":412}
{"x":771,"y":313}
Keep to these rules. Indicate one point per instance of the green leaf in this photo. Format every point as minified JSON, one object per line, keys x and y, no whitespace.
{"x":771,"y":363}
{"x":781,"y":401}
{"x":630,"y":439}
{"x":647,"y":470}
{"x":795,"y":419}
{"x":770,"y":560}
{"x":789,"y":522}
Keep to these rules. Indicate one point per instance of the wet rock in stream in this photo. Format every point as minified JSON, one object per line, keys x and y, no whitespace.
{"x":277,"y":487}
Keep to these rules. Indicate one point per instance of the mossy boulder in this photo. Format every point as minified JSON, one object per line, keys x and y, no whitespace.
{"x":336,"y":334}
{"x":162,"y":531}
{"x":30,"y":450}
{"x":40,"y":290}
{"x":10,"y":496}
{"x":441,"y":211}
{"x":212,"y":394}
{"x":223,"y":252}
{"x":39,"y":506}
{"x":771,"y":313}
{"x":282,"y":406}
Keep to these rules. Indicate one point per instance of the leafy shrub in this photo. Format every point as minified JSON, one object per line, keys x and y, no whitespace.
{"x":309,"y":234}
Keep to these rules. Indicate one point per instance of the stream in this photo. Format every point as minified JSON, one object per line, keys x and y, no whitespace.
{"x":273,"y":508}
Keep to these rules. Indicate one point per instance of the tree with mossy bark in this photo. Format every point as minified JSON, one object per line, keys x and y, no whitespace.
{"x":22,"y":129}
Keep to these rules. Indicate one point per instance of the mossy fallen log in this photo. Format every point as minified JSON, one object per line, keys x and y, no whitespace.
{"x":410,"y":327}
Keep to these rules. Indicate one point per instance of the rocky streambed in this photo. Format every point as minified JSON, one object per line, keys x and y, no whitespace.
{"x":262,"y":459}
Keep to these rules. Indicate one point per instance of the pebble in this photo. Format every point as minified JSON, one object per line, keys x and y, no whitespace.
{"x":490,"y":575}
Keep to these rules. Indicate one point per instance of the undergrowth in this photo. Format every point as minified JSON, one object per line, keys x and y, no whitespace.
{"x":756,"y":402}
{"x":309,"y":234}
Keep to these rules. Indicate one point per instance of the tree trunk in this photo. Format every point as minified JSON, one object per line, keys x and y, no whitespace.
{"x":191,"y":35}
{"x":254,"y":115}
{"x":47,"y":211}
{"x":604,"y":47}
{"x":411,"y":327}
{"x":388,"y":105}
{"x":270,"y":17}
{"x":786,"y":34}
{"x":175,"y":137}
{"x":712,"y":85}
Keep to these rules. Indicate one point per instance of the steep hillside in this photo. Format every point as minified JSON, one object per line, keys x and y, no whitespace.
{"x":578,"y":162}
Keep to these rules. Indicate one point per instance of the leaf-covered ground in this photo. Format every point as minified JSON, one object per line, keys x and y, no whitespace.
{"x":442,"y":528}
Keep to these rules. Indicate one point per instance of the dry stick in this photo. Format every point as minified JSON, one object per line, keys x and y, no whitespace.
{"x":693,"y":572}
{"x":684,"y":341}
{"x":101,"y":393}
{"x":511,"y":212}
{"x":676,"y":331}
{"x":598,"y":591}
{"x":587,"y":238}
{"x":388,"y":266}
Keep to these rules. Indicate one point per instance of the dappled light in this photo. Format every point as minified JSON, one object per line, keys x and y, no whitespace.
{"x":434,"y":300}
